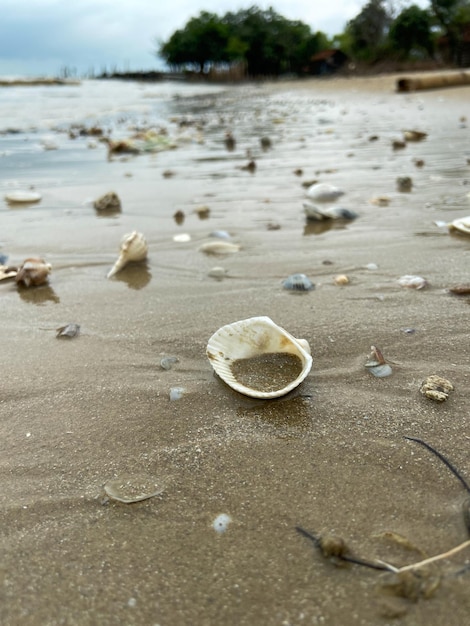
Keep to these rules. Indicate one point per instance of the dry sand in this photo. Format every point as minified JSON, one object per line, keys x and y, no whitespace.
{"x":331,"y":457}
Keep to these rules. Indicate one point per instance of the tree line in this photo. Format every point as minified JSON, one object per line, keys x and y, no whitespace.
{"x":268,"y":44}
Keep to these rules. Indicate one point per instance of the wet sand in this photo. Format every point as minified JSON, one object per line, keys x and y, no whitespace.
{"x":331,"y":457}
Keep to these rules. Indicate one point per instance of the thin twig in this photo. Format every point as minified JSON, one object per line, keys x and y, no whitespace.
{"x":380,"y":565}
{"x":437,"y":557}
{"x":447,"y":463}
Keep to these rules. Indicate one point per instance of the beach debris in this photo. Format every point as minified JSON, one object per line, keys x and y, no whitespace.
{"x":258,"y":358}
{"x":33,"y":272}
{"x":315,"y":213}
{"x":266,"y":143}
{"x":376,"y":363}
{"x":380,"y":200}
{"x":398,"y":144}
{"x":182,"y":238}
{"x":462,"y":225}
{"x":220,"y":234}
{"x":133,"y":249}
{"x":412,"y":281}
{"x":414,"y":135}
{"x":298,"y":282}
{"x":68,"y":331}
{"x":324,"y":192}
{"x":299,"y":171}
{"x":108,"y":203}
{"x":203,"y":212}
{"x":168,"y":173}
{"x":217,"y":272}
{"x":219,"y":247}
{"x":273,"y":226}
{"x":418,"y":162}
{"x":230,"y":141}
{"x":7,"y":272}
{"x":221,"y":523}
{"x":133,"y":488}
{"x":179,"y":217}
{"x":404,"y":184}
{"x":120,"y":146}
{"x":249,"y":167}
{"x":460,"y":290}
{"x":341,"y":280}
{"x":22,"y":197}
{"x":371,"y":267}
{"x":167,"y":362}
{"x":436,"y":388}
{"x":176,"y":393}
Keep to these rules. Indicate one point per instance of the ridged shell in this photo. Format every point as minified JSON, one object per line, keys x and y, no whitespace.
{"x":298,"y":282}
{"x":251,"y":338}
{"x":134,"y":248}
{"x":324,"y":192}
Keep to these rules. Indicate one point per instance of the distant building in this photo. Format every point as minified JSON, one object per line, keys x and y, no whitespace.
{"x":326,"y":62}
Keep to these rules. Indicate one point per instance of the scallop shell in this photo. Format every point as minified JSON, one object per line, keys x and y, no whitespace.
{"x":134,"y":248}
{"x":462,"y":225}
{"x":324,"y":192}
{"x":253,"y":337}
{"x":33,"y":272}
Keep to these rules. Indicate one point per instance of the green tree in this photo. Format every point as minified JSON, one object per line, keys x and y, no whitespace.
{"x":411,"y":30}
{"x":367,"y":32}
{"x":452,"y":16}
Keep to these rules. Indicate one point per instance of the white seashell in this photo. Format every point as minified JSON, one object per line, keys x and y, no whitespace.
{"x":217,"y":272}
{"x":33,"y":272}
{"x":462,"y":225}
{"x":182,"y":238}
{"x":22,"y":197}
{"x":134,"y":248}
{"x":221,"y":522}
{"x":324,"y":192}
{"x":313,"y":212}
{"x":219,"y":247}
{"x":258,"y":341}
{"x":413,"y":282}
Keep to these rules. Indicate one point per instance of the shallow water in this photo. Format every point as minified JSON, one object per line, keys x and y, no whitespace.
{"x":331,"y":457}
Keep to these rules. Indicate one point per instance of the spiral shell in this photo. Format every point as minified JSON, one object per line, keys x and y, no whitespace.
{"x":134,"y":248}
{"x":240,"y":344}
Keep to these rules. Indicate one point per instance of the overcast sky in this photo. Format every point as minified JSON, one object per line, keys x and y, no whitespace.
{"x":42,"y":36}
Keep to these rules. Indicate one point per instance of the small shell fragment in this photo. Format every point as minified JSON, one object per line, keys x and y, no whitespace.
{"x":182,"y":238}
{"x":412,"y":282}
{"x":69,"y":330}
{"x":460,"y":290}
{"x":219,"y":247}
{"x":217,"y":272}
{"x":167,"y":362}
{"x":298,"y":282}
{"x":133,"y":488}
{"x":22,"y":197}
{"x":33,"y":272}
{"x":377,"y":365}
{"x":7,"y":272}
{"x":176,"y":393}
{"x":313,"y":212}
{"x":134,"y":248}
{"x":341,"y":280}
{"x":436,"y":388}
{"x":414,"y":135}
{"x":381,"y":201}
{"x":404,"y":183}
{"x":221,"y":523}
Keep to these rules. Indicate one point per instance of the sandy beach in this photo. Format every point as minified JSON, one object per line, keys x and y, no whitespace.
{"x":331,"y":457}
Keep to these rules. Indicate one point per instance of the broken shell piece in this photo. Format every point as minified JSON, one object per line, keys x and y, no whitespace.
{"x":22,"y":197}
{"x":460,"y":290}
{"x":69,"y":330}
{"x":130,"y":489}
{"x":436,"y":388}
{"x":414,"y":135}
{"x":381,"y":201}
{"x":167,"y":362}
{"x":134,"y":248}
{"x":462,"y":225}
{"x":324,"y":192}
{"x":412,"y":282}
{"x":298,"y":282}
{"x":33,"y":272}
{"x":377,"y":365}
{"x":258,"y":358}
{"x":219,"y":247}
{"x":7,"y":272}
{"x":110,"y":202}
